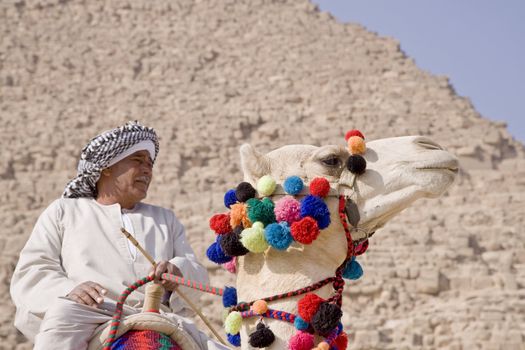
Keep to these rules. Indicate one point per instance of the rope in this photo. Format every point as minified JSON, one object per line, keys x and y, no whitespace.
{"x":315,"y":286}
{"x":192,"y":284}
{"x":271,"y":313}
{"x":115,"y":321}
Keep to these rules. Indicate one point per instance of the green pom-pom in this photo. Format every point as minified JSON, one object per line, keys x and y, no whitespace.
{"x":253,"y":238}
{"x":266,"y":186}
{"x":261,"y":210}
{"x":233,"y":322}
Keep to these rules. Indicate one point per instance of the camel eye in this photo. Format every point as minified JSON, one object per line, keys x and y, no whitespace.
{"x":331,"y":161}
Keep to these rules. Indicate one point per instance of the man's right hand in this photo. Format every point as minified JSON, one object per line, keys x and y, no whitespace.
{"x":88,"y":293}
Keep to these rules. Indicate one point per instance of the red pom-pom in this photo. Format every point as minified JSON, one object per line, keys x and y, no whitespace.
{"x":319,"y":187}
{"x":305,"y":231}
{"x":308,"y":305}
{"x":353,"y":132}
{"x":341,"y":341}
{"x":220,"y":223}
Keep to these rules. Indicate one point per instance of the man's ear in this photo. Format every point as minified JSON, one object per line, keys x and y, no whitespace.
{"x":254,"y":164}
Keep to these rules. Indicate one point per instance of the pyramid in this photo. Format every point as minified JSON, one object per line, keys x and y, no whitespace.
{"x":210,"y":75}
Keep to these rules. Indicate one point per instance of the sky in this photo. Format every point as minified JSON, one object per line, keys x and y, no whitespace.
{"x":478,"y":44}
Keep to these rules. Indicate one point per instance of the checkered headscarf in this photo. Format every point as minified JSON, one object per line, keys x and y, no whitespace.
{"x":99,"y":152}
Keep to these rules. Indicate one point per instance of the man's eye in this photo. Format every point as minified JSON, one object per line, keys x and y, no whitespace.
{"x":331,"y":161}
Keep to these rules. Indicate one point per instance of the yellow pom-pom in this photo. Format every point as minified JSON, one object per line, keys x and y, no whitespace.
{"x":259,"y":307}
{"x":356,"y":145}
{"x":253,"y":238}
{"x":233,"y":322}
{"x":322,"y":346}
{"x":266,"y":186}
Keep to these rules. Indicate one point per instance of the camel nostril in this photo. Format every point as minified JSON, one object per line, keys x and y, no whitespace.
{"x":427,"y":143}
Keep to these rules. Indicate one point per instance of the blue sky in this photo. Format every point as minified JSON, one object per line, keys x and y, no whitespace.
{"x":478,"y":44}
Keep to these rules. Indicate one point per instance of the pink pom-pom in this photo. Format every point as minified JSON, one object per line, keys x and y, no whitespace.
{"x":301,"y":341}
{"x":231,"y":266}
{"x":287,"y":209}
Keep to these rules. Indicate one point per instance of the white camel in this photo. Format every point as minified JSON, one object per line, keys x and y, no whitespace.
{"x":399,"y":171}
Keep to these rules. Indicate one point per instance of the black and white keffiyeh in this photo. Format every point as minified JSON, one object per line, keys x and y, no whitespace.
{"x":99,"y":153}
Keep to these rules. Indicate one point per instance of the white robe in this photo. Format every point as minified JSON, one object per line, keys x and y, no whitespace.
{"x":78,"y":240}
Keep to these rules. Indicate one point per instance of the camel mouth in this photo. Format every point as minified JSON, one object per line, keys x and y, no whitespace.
{"x":450,"y":165}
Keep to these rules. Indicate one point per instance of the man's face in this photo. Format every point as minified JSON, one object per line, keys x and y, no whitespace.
{"x":130,"y":177}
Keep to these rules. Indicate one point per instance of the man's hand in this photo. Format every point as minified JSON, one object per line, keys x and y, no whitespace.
{"x":88,"y":293}
{"x":166,"y":267}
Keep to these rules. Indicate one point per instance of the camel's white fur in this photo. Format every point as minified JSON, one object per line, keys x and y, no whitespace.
{"x":399,"y":171}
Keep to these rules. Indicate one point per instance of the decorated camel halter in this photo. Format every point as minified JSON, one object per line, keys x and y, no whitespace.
{"x":254,"y":225}
{"x":257,"y":224}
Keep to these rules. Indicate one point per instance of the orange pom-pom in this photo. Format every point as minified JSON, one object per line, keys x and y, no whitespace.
{"x":259,"y":307}
{"x":356,"y":145}
{"x":322,"y":346}
{"x":238,"y":216}
{"x":353,"y":132}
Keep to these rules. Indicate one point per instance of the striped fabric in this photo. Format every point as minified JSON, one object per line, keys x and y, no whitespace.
{"x":145,"y":340}
{"x":100,"y":150}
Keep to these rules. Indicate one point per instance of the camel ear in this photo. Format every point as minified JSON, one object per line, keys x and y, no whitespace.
{"x":254,"y":164}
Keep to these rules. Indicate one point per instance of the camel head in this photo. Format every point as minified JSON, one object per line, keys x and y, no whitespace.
{"x":399,"y":171}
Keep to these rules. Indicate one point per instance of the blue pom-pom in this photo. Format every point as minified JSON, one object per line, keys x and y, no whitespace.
{"x":230,"y":198}
{"x":234,"y":339}
{"x":278,"y":235}
{"x":316,"y":208}
{"x":229,"y":296}
{"x":339,"y":328}
{"x":300,"y":324}
{"x":353,"y":270}
{"x":216,"y":254}
{"x":293,"y":185}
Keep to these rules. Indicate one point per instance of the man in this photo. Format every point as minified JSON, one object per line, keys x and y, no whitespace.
{"x":77,"y":261}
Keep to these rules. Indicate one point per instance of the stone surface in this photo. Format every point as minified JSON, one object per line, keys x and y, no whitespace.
{"x":210,"y":75}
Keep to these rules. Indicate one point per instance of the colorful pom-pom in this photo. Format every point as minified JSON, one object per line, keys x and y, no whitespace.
{"x":231,"y":266}
{"x":308,"y":305}
{"x":239,"y":216}
{"x":353,"y":132}
{"x":266,"y":186}
{"x":261,"y":210}
{"x":230,"y":198}
{"x":353,"y":270}
{"x":341,"y":341}
{"x":320,"y":187}
{"x":322,"y":346}
{"x":305,"y":231}
{"x":244,"y":191}
{"x":262,"y":337}
{"x":234,"y":339}
{"x":233,"y":322}
{"x":293,"y":185}
{"x":229,"y":297}
{"x":315,"y":207}
{"x":216,"y":254}
{"x":287,"y":209}
{"x":259,"y":307}
{"x":326,"y":318}
{"x":356,"y":164}
{"x":220,"y":223}
{"x":356,"y":145}
{"x":231,"y":244}
{"x":278,"y":235}
{"x":300,"y":324}
{"x":301,"y":341}
{"x":253,"y":238}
